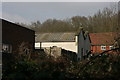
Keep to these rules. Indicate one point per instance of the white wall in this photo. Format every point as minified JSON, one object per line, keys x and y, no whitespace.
{"x":64,"y":45}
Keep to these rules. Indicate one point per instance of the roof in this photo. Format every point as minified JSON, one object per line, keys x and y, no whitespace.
{"x":55,"y":37}
{"x":5,"y":21}
{"x":103,"y":38}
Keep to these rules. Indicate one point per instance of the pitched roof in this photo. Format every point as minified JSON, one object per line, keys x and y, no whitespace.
{"x":55,"y":37}
{"x":4,"y":21}
{"x":103,"y":38}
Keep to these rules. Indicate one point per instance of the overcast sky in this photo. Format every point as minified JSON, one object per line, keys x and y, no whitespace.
{"x":32,"y":11}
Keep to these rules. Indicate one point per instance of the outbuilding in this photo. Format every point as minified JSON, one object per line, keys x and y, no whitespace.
{"x":13,"y":36}
{"x":78,"y":42}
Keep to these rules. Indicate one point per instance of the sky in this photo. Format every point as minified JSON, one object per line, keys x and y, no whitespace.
{"x":27,"y":12}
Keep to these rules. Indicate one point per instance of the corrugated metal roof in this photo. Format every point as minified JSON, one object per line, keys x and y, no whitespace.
{"x":47,"y":37}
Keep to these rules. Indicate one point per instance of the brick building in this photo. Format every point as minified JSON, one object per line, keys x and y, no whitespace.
{"x":102,"y":41}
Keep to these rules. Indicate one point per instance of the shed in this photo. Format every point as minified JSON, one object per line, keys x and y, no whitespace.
{"x":14,"y":35}
{"x":78,"y":42}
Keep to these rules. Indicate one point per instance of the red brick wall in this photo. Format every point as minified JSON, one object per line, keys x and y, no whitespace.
{"x":97,"y":49}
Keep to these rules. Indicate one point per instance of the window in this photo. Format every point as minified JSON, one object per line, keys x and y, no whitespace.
{"x":110,"y":47}
{"x":103,"y":47}
{"x":82,"y":51}
{"x":86,"y":51}
{"x":78,"y":58}
{"x":6,"y":48}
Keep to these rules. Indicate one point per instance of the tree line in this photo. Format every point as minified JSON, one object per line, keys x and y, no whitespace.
{"x":106,"y":20}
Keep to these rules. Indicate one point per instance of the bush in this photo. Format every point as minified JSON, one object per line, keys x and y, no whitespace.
{"x":103,"y":67}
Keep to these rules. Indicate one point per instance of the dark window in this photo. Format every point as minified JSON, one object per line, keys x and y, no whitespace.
{"x":82,"y":52}
{"x":78,"y":59}
{"x":86,"y":51}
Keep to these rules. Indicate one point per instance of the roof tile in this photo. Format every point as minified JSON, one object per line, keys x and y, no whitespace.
{"x":103,"y":38}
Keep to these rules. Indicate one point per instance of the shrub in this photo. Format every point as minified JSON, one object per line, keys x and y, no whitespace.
{"x":103,"y":67}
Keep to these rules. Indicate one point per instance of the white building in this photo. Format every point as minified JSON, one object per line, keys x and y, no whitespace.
{"x":78,"y":42}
